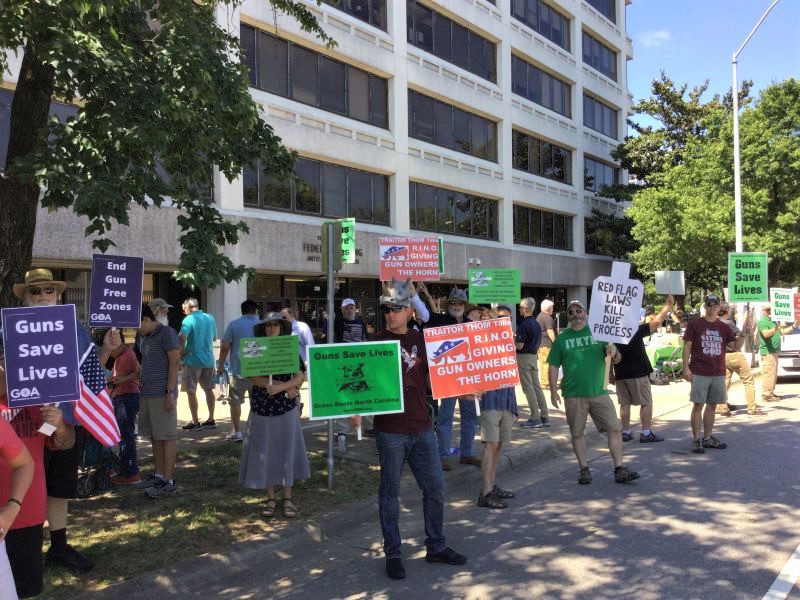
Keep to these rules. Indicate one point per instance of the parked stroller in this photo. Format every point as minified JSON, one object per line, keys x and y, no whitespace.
{"x":96,"y":467}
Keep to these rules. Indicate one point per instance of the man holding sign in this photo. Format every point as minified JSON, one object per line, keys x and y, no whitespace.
{"x":704,"y":344}
{"x":408,"y":437}
{"x":584,"y":364}
{"x":769,"y":347}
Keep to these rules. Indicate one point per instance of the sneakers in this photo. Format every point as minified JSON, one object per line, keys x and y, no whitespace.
{"x":585,"y":476}
{"x":650,"y":438}
{"x":209,"y":424}
{"x":756,"y":412}
{"x":545,"y":421}
{"x":772,"y":398}
{"x":697,"y":446}
{"x":69,"y":558}
{"x":126,"y":480}
{"x":234,"y":436}
{"x":448,"y":556}
{"x":532,"y":424}
{"x":147,"y":483}
{"x":395,"y":568}
{"x":192,"y":427}
{"x":161,"y":489}
{"x":623,"y":474}
{"x":627,"y":437}
{"x":470,"y":460}
{"x":712,"y":442}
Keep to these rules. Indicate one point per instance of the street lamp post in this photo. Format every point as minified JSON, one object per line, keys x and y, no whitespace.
{"x":737,"y":177}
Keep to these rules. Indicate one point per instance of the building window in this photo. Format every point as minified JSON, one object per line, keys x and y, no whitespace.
{"x":542,"y":228}
{"x":540,"y":87}
{"x":606,"y":8}
{"x":597,"y":174}
{"x":543,"y":19}
{"x":599,"y":56}
{"x":321,"y":189}
{"x":446,"y":211}
{"x":445,"y":125}
{"x":443,"y":37}
{"x":599,"y":116}
{"x":369,"y":11}
{"x":286,"y":69}
{"x":541,"y":158}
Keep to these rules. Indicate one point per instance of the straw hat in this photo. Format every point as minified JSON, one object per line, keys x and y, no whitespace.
{"x":38,"y":278}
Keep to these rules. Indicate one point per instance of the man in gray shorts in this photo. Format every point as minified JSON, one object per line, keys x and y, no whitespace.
{"x":704,"y":344}
{"x":234,"y":333}
{"x":158,"y":415}
{"x":498,"y":413}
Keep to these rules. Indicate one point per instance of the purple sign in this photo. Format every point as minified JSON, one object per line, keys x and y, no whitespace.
{"x":41,"y":345}
{"x":115,"y":299}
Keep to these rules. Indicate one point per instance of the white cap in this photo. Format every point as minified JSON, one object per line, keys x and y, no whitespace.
{"x":348,"y":302}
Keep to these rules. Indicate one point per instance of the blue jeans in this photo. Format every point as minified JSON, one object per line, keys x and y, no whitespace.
{"x":444,"y":425}
{"x":126,"y":409}
{"x":419,"y":450}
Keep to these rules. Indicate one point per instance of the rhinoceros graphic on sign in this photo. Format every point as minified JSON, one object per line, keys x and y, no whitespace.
{"x":449,"y":351}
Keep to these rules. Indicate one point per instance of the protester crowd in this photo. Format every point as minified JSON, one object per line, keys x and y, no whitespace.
{"x":38,"y":472}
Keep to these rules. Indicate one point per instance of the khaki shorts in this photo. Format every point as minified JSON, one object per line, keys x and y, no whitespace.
{"x":634,"y":392}
{"x":237,"y":388}
{"x":496,"y":426}
{"x":708,"y":390}
{"x":193,"y":375}
{"x":155,"y":422}
{"x":600,"y":408}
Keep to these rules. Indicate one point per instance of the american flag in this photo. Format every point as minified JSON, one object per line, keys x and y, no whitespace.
{"x":94,"y":409}
{"x":448,"y":347}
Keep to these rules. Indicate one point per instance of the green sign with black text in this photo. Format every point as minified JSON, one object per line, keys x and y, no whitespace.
{"x":747,"y":277}
{"x":263,"y":356}
{"x":355,"y":379}
{"x":494,"y":285}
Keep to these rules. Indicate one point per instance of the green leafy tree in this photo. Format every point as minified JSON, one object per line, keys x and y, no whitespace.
{"x":686,"y":222}
{"x":162,"y":98}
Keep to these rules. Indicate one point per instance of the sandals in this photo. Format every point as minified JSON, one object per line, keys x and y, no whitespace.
{"x":499,"y":492}
{"x":289,"y":509}
{"x":489,"y":501}
{"x":269,"y":508}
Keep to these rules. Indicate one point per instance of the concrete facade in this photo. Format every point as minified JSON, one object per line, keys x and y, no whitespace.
{"x":284,"y":243}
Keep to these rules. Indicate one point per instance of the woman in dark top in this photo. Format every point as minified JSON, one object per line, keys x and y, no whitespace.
{"x":274,"y":452}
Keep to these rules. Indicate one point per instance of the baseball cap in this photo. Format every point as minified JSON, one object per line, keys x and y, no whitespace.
{"x":711,"y":298}
{"x":576,"y":303}
{"x":158,"y":303}
{"x":348,"y":302}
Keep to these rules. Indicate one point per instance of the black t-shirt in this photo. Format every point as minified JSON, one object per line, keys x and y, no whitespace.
{"x":634,"y":362}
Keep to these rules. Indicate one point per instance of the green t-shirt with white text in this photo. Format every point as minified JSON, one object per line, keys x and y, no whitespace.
{"x":583,"y":360}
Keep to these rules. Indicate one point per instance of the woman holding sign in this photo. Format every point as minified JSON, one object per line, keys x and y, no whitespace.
{"x":274,"y":452}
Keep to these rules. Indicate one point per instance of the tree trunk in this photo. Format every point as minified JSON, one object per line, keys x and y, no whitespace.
{"x":19,"y":198}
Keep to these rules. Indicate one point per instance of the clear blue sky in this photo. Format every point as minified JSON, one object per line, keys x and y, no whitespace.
{"x":693,"y":40}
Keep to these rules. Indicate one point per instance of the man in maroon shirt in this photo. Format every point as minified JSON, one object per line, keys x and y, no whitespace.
{"x":704,"y":366}
{"x":408,"y":436}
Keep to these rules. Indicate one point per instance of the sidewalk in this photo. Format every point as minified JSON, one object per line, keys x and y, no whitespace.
{"x":529,"y":450}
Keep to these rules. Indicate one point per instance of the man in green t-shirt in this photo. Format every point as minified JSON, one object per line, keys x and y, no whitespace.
{"x":583,"y":362}
{"x":769,"y":347}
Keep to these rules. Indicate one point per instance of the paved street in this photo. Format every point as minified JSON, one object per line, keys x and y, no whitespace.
{"x":718,"y":525}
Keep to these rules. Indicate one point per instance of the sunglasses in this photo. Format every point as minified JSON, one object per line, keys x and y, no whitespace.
{"x":35,"y":291}
{"x":395,"y":309}
{"x":711,"y":304}
{"x":577,"y":311}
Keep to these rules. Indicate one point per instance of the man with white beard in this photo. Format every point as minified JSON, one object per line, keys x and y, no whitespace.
{"x":456,"y":303}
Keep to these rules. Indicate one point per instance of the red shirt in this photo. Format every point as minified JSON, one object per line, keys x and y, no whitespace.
{"x":708,"y":346}
{"x":124,"y":364}
{"x":414,"y":366}
{"x":25,"y":424}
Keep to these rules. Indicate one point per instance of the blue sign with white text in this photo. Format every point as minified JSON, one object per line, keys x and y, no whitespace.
{"x":41,"y":352}
{"x":115,"y":299}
